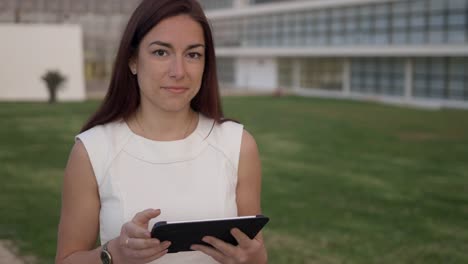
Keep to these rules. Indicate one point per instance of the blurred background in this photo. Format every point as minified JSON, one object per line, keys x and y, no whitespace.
{"x":350,"y":176}
{"x":411,"y":51}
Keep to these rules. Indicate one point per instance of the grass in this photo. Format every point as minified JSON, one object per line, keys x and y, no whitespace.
{"x":343,"y":182}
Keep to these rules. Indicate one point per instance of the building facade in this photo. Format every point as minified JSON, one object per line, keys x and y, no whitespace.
{"x":402,"y":51}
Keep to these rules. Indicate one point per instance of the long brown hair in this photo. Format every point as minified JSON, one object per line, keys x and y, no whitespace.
{"x":123,"y":96}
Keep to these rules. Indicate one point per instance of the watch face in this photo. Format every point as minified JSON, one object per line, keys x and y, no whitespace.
{"x":105,"y":257}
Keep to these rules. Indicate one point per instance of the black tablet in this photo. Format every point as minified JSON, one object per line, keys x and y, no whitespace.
{"x":183,"y":234}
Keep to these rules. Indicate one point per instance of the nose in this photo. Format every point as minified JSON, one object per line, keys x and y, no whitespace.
{"x":177,"y":68}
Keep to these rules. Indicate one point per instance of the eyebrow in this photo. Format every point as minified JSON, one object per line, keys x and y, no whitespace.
{"x":168,"y":45}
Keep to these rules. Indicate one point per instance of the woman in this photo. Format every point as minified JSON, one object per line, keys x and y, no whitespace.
{"x":159,"y":149}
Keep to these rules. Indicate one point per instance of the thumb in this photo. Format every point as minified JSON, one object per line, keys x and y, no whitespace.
{"x":142,"y":218}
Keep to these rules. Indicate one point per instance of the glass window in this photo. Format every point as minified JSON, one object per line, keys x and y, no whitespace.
{"x":458,"y":67}
{"x":382,"y":23}
{"x":382,"y":37}
{"x":456,"y":4}
{"x":400,"y":22}
{"x":436,"y":84}
{"x":378,"y":76}
{"x":285,"y":72}
{"x":417,"y":20}
{"x":417,"y":37}
{"x":440,"y":78}
{"x":437,"y":66}
{"x":436,"y":36}
{"x":437,"y":20}
{"x":351,"y":11}
{"x":382,"y":10}
{"x":456,"y":89}
{"x":400,"y":7}
{"x":437,"y":5}
{"x":323,"y":73}
{"x":456,"y":35}
{"x":457,"y":19}
{"x":366,"y":23}
{"x":351,"y":24}
{"x":418,"y":6}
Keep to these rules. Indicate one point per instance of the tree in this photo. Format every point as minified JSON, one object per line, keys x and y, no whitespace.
{"x":54,"y":81}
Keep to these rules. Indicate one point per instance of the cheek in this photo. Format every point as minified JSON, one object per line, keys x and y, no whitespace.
{"x":151,"y":72}
{"x":198,"y":73}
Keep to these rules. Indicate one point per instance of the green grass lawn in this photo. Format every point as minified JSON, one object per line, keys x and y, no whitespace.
{"x":343,"y":182}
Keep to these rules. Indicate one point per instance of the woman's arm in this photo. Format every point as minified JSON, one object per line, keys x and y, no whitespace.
{"x":79,"y":218}
{"x":248,"y":203}
{"x":249,"y":179}
{"x":249,"y":187}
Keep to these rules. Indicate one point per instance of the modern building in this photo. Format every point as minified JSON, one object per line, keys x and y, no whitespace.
{"x":401,"y":51}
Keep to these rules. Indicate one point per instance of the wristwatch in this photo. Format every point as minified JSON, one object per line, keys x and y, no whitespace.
{"x":106,"y":257}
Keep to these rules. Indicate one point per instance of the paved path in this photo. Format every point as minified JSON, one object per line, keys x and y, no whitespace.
{"x":6,"y":256}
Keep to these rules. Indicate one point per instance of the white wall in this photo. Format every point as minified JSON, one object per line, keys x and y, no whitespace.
{"x":258,"y":74}
{"x":27,"y":52}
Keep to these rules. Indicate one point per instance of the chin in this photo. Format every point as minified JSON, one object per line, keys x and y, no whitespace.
{"x":176,"y":106}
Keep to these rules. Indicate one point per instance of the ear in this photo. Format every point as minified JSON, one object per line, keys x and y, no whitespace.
{"x":132,"y":64}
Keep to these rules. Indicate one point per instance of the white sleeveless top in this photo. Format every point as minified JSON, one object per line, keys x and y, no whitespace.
{"x":188,"y":179}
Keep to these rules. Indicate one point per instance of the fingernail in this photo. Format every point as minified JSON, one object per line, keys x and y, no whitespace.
{"x":156,"y":241}
{"x":205,"y":239}
{"x":166,"y":243}
{"x":148,"y":234}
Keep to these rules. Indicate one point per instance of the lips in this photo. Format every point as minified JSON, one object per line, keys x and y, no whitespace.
{"x":175,"y":89}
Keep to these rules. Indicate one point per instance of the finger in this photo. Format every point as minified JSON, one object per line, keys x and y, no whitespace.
{"x":132,"y":230}
{"x":148,"y":252}
{"x":142,"y":218}
{"x":141,"y":243}
{"x":243,"y":240}
{"x":225,"y":248}
{"x":218,"y":256}
{"x":154,"y":257}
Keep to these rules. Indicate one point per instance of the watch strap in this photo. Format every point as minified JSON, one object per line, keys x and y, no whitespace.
{"x":106,"y":257}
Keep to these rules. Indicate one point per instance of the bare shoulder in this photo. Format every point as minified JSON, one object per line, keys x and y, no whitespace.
{"x":79,"y":152}
{"x":249,"y":160}
{"x":249,"y":145}
{"x":79,"y":168}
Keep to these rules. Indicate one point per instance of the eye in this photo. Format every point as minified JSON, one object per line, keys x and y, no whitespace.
{"x":160,"y":53}
{"x":194,"y":55}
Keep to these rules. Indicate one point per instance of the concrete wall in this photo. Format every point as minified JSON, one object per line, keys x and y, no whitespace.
{"x":28,"y":51}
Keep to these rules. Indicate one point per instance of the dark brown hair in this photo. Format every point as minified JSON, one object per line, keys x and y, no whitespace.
{"x":123,"y":96}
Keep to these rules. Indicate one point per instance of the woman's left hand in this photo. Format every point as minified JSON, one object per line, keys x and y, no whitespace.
{"x":248,"y":251}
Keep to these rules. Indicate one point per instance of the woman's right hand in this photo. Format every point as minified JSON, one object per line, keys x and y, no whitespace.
{"x":135,"y":245}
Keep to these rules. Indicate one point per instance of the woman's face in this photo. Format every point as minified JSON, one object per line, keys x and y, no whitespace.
{"x":170,"y":63}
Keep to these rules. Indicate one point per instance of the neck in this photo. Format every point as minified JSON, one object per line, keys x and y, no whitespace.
{"x":164,"y":126}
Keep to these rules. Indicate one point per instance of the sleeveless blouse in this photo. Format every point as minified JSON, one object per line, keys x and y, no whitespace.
{"x":189,"y":179}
